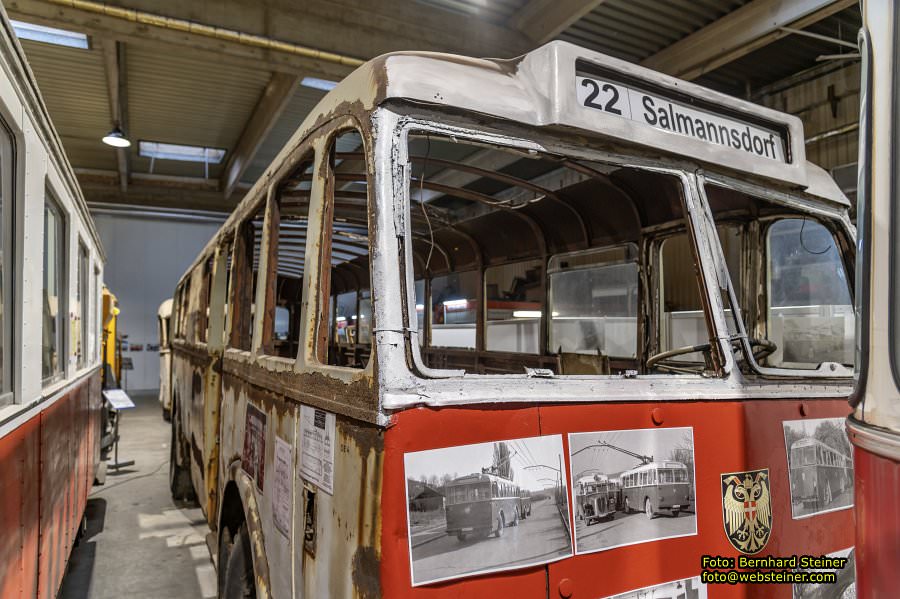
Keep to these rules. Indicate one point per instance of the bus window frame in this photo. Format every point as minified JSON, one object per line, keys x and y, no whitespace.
{"x":64,"y":342}
{"x":693,"y":205}
{"x":836,"y":222}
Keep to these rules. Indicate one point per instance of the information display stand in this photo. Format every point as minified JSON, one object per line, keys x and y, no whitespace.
{"x":118,"y":401}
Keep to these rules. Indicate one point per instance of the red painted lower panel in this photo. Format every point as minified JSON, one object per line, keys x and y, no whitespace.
{"x":48,"y":469}
{"x":728,"y":437}
{"x":877,"y":522}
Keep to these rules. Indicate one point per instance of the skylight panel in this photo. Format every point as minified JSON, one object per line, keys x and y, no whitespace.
{"x":50,"y":35}
{"x":165,"y":151}
{"x":315,"y":83}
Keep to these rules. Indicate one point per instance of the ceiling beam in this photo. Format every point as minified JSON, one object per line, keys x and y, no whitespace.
{"x":543,"y":20}
{"x":739,"y":33}
{"x":271,"y":104}
{"x":116,"y":68}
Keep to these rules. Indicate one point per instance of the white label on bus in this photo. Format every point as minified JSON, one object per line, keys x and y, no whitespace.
{"x":678,"y":118}
{"x":281,"y":500}
{"x":317,"y":447}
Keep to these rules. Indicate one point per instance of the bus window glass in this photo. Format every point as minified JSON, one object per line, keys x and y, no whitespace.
{"x":514,"y":305}
{"x":364,"y":321}
{"x":515,"y":214}
{"x":809,"y":312}
{"x":287,"y":255}
{"x":594,"y":302}
{"x":346,"y":249}
{"x":454,"y":300}
{"x":201,"y":323}
{"x":52,"y":365}
{"x":245,"y":266}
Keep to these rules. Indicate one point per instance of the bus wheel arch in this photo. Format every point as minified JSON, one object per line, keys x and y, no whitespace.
{"x":240,"y":511}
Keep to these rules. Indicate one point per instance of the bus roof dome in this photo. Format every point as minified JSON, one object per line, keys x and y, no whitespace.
{"x":563,"y":86}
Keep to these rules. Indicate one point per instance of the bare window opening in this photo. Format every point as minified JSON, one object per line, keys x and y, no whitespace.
{"x":798,"y":264}
{"x":534,"y":260}
{"x":244,"y":268}
{"x":346,"y":318}
{"x":81,"y":306}
{"x":54,"y":304}
{"x":289,"y":216}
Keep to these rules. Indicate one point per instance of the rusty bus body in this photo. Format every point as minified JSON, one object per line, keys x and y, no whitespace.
{"x":51,"y":261}
{"x":423,"y":179}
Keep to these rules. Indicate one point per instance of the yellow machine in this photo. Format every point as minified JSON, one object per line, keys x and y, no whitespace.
{"x":112,"y":346}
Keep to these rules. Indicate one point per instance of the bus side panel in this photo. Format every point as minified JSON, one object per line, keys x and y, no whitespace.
{"x":419,"y":429}
{"x":19,"y":479}
{"x":878,"y":520}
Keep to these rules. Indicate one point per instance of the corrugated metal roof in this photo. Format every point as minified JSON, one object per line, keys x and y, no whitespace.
{"x":73,"y":84}
{"x":300,"y":105}
{"x":175,"y":98}
{"x":496,"y":11}
{"x":636,"y":29}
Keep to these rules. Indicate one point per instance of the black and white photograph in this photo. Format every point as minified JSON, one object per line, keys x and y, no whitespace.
{"x":485,"y":507}
{"x":820,"y":466}
{"x":686,"y":588}
{"x":632,"y":486}
{"x":843,"y":588}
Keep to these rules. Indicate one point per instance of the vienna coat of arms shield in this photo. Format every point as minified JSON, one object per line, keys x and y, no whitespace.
{"x":747,"y":509}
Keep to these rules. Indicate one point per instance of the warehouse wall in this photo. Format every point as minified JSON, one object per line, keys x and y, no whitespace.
{"x":146,"y":255}
{"x":827,"y":100}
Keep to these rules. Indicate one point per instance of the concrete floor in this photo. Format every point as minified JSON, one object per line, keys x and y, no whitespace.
{"x":140,"y":544}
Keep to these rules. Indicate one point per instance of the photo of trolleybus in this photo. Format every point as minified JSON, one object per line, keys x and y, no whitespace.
{"x":482,"y":504}
{"x":819,"y":473}
{"x":595,"y":498}
{"x":656,"y":486}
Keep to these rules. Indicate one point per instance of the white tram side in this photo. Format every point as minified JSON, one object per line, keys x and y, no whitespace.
{"x":51,"y":274}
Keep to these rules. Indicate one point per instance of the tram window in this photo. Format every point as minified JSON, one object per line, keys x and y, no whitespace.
{"x":7,"y":161}
{"x":454,"y":301}
{"x":94,"y":326}
{"x":809,"y":312}
{"x":81,"y":305}
{"x":290,"y":215}
{"x":594,"y":302}
{"x":245,"y":267}
{"x":514,"y":305}
{"x":345,"y":254}
{"x":54,"y":300}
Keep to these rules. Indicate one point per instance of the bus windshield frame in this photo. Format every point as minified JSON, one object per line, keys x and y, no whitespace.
{"x":713,"y":270}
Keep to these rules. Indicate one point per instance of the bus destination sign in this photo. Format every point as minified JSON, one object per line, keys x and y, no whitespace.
{"x":679,"y":118}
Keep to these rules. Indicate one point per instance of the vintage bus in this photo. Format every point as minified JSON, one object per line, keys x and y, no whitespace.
{"x":164,"y":324}
{"x":481,"y":504}
{"x":874,"y":425}
{"x":819,"y":473}
{"x":656,"y":230}
{"x":656,"y":486}
{"x":595,"y":498}
{"x":51,"y":269}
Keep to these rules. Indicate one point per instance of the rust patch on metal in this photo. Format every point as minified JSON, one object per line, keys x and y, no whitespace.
{"x":366,"y":573}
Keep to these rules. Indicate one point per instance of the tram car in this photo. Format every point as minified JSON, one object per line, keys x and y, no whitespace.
{"x":819,"y":473}
{"x":52,"y":262}
{"x":480,"y":505}
{"x":595,"y":497}
{"x":474,"y":251}
{"x":657,"y":486}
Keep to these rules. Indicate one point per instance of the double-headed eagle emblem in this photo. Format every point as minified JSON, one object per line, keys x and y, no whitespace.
{"x":747,"y":510}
